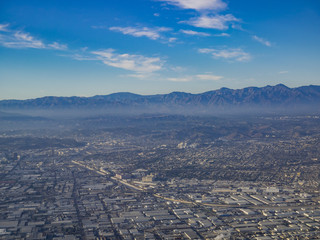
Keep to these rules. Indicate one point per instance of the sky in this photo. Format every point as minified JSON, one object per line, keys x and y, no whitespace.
{"x":97,"y":47}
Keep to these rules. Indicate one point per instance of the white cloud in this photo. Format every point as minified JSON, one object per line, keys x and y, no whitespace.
{"x":152,"y":33}
{"x":194,"y":33}
{"x":261,"y":40}
{"x":283,"y":72}
{"x":209,"y":77}
{"x":236,"y":54}
{"x":81,"y":56}
{"x":4,"y":27}
{"x":182,"y":79}
{"x":220,"y":22}
{"x":222,"y":35}
{"x":202,"y":77}
{"x":172,"y":39}
{"x":178,"y":69}
{"x":140,"y":75}
{"x":198,"y":4}
{"x":58,"y":46}
{"x":99,"y":27}
{"x":21,"y":40}
{"x":136,"y":63}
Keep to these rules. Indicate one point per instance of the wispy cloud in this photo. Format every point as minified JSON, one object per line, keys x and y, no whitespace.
{"x":19,"y":39}
{"x":142,"y":67}
{"x":208,"y":10}
{"x":140,"y":75}
{"x":136,"y":63}
{"x":4,"y":27}
{"x":261,"y":40}
{"x":172,"y":39}
{"x":152,"y":33}
{"x":198,"y":5}
{"x":234,"y":54}
{"x":177,"y":68}
{"x":220,"y":22}
{"x":195,"y":33}
{"x":99,"y":27}
{"x":222,"y":35}
{"x":58,"y":46}
{"x":283,"y":72}
{"x":81,"y":56}
{"x":180,"y":79}
{"x":209,"y":77}
{"x":201,"y":77}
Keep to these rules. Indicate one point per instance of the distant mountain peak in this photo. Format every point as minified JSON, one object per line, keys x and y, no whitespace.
{"x":281,"y":85}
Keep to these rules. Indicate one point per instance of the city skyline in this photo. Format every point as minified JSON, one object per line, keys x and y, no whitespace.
{"x":155,"y":46}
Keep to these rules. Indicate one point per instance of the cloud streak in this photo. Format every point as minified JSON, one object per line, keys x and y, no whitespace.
{"x":222,"y":35}
{"x":209,"y":77}
{"x":180,"y":79}
{"x":208,"y":10}
{"x":201,"y":77}
{"x":261,"y":40}
{"x":195,"y":33}
{"x":135,"y":63}
{"x":219,"y":22}
{"x":4,"y":27}
{"x":58,"y":46}
{"x":19,"y":39}
{"x":151,"y":33}
{"x":198,"y":5}
{"x":233,"y":54}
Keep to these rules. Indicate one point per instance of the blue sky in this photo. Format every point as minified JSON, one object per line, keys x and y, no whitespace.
{"x":85,"y":48}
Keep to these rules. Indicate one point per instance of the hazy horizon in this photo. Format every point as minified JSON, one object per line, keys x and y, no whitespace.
{"x":144,"y":95}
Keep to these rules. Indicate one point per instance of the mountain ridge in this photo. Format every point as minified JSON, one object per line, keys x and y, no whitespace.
{"x":268,"y":96}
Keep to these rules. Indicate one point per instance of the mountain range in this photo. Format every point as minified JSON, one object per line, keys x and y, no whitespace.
{"x":268,"y":97}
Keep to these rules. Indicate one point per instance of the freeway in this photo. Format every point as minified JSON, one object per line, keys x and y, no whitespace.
{"x":103,"y":173}
{"x":130,"y":185}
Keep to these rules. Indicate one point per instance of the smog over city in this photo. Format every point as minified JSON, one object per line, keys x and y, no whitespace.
{"x":159,"y":119}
